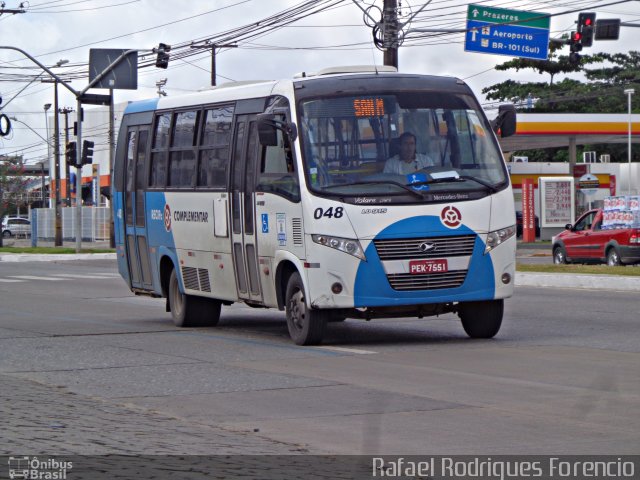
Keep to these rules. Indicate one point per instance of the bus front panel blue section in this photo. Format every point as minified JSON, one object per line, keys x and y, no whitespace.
{"x":372,"y":288}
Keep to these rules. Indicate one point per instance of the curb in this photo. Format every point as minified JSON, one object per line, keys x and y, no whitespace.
{"x":54,"y":257}
{"x":578,"y":280}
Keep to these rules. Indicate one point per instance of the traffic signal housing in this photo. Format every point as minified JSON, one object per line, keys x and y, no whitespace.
{"x":71,"y":154}
{"x":586,"y":27}
{"x":87,"y":152}
{"x":575,"y":46}
{"x":162,"y":60}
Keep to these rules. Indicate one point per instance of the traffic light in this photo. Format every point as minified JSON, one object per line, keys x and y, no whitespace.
{"x":87,"y":152}
{"x":575,"y":46}
{"x":586,"y":26}
{"x":162,"y":60}
{"x":71,"y":154}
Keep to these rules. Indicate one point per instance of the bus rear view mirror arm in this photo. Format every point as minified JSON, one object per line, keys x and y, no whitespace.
{"x":267,"y":126}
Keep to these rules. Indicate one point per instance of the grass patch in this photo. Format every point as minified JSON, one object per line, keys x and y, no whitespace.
{"x":629,"y":271}
{"x":46,"y":250}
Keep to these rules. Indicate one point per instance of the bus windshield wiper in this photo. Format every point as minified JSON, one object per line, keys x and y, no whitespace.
{"x":378,"y":182}
{"x":457,"y":178}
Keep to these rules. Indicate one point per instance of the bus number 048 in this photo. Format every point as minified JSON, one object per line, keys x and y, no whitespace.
{"x":330,"y":212}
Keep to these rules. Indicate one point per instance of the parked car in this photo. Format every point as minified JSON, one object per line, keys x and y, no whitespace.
{"x":587,"y":242}
{"x":519,"y":225}
{"x":15,"y":226}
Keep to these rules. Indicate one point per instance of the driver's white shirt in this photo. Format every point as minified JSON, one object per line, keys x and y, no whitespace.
{"x":400,"y":167}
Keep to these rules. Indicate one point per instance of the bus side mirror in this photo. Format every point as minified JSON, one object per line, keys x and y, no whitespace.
{"x":505,"y":122}
{"x":267,"y":131}
{"x":268,"y":125}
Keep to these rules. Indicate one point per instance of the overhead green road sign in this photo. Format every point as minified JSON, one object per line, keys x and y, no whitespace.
{"x":500,"y":31}
{"x":502,"y":15}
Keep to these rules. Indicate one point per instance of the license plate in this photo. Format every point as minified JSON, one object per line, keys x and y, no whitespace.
{"x":421,"y":267}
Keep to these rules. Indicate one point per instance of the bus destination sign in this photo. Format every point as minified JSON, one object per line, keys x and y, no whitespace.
{"x":499,"y":31}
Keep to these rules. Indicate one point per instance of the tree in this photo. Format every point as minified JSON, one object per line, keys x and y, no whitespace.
{"x":606,"y":76}
{"x":13,"y":184}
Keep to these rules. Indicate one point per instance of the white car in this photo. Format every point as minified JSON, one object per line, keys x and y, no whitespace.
{"x":15,"y":226}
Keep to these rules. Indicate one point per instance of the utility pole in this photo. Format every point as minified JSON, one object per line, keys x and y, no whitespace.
{"x":390,"y":32}
{"x":56,"y":157}
{"x":213,"y":48}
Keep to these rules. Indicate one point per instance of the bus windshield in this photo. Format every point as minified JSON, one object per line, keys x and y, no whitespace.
{"x":398,"y":144}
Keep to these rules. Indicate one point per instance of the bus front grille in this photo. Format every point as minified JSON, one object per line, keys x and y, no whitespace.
{"x":432,"y":281}
{"x":425,"y":247}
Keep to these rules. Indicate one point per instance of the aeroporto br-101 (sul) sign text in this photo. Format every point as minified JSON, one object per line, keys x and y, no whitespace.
{"x":507,"y":32}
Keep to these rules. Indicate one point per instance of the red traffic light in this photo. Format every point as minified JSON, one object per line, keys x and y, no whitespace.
{"x":576,"y":36}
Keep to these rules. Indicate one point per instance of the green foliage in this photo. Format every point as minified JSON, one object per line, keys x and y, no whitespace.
{"x":601,"y":93}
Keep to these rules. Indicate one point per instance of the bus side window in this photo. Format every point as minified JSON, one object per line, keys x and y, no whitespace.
{"x":277,"y":170}
{"x":182,"y":157}
{"x":158,"y":170}
{"x":214,"y":147}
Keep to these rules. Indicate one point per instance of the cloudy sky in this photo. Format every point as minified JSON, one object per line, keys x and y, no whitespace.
{"x":332,"y":32}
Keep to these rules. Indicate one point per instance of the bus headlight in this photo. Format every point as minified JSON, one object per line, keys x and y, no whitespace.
{"x":346,"y":245}
{"x":496,"y":237}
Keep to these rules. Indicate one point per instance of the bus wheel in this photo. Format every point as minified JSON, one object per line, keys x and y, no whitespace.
{"x":481,"y":319}
{"x":189,"y":310}
{"x":306,"y":326}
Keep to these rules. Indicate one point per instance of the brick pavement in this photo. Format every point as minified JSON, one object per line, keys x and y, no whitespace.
{"x":39,"y":419}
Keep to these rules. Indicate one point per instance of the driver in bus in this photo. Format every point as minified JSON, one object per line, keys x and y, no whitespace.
{"x":407,"y":161}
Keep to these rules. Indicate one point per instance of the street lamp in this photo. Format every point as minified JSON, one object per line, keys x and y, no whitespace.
{"x":47,"y":106}
{"x":629,"y":92}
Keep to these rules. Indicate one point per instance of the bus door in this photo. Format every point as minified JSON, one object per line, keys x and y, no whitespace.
{"x":136,"y":244}
{"x":243,"y":230}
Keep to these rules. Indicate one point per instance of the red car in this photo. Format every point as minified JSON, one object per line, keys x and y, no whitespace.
{"x":587,"y":242}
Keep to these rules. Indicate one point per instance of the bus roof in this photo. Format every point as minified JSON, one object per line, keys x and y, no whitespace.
{"x":324,"y":82}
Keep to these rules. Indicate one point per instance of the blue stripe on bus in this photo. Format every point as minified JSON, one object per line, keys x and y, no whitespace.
{"x":142,"y":106}
{"x":372,"y":289}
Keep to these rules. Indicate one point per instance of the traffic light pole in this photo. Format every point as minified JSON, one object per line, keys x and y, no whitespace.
{"x":78,"y":219}
{"x":78,"y":95}
{"x":80,"y":147}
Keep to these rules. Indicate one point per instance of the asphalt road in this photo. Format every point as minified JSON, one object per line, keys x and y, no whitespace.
{"x":88,"y":368}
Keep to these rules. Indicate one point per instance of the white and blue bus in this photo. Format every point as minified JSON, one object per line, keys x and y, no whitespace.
{"x":283,"y":194}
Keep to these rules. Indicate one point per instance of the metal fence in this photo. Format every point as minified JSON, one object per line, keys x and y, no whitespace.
{"x":95,"y":223}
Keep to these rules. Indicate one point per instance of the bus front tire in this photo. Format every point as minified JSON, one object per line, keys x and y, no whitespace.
{"x":189,"y":310}
{"x":306,"y":325}
{"x":481,"y":319}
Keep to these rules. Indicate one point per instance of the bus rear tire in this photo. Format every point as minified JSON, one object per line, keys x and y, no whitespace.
{"x":306,"y":325}
{"x":481,"y":319}
{"x":189,"y":310}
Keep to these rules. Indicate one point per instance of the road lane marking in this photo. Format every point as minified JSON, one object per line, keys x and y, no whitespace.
{"x":349,"y":350}
{"x":10,"y":280}
{"x":77,"y":275}
{"x":33,"y":277}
